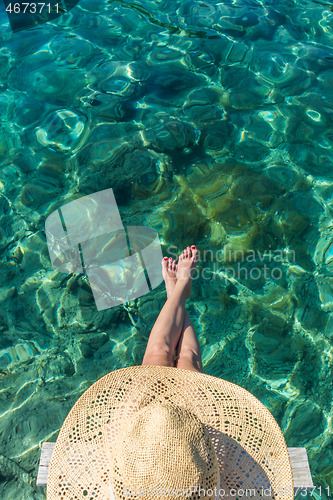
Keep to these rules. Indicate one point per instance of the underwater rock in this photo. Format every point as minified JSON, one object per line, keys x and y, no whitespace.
{"x":238,"y":53}
{"x":297,"y":271}
{"x":35,"y":253}
{"x":104,"y":155}
{"x":11,"y":468}
{"x":170,"y":81}
{"x":313,"y":115}
{"x":260,"y":127}
{"x":27,"y":69}
{"x":166,"y":133}
{"x":55,"y":364}
{"x":115,"y":132}
{"x":7,"y":103}
{"x":203,"y":96}
{"x":250,"y":150}
{"x":314,"y":160}
{"x":76,"y":52}
{"x":198,"y":13}
{"x":10,"y":141}
{"x":105,"y":69}
{"x":163,"y":53}
{"x":4,"y":64}
{"x":305,"y":422}
{"x":294,"y":82}
{"x":325,"y":288}
{"x":108,"y":153}
{"x":314,"y":58}
{"x":7,"y":294}
{"x":309,"y":311}
{"x":9,"y":177}
{"x":305,"y":204}
{"x":233,"y":77}
{"x":29,"y":111}
{"x":17,"y":354}
{"x":6,"y":231}
{"x":325,"y":77}
{"x":54,"y":172}
{"x":250,"y":98}
{"x":328,"y":254}
{"x":139,"y":71}
{"x":105,"y":107}
{"x":276,"y":69}
{"x":265,"y":343}
{"x":215,"y":135}
{"x":118,"y":85}
{"x":329,"y":327}
{"x":203,"y":62}
{"x":59,"y":86}
{"x":62,"y":130}
{"x":182,"y":218}
{"x":40,"y":192}
{"x":144,"y":168}
{"x":202,"y":106}
{"x":203,"y":114}
{"x":284,"y":175}
{"x":86,"y":351}
{"x":95,"y":340}
{"x":240,"y":26}
{"x":274,"y":360}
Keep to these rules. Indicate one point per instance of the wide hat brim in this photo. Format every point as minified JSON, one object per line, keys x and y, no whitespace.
{"x":248,"y":442}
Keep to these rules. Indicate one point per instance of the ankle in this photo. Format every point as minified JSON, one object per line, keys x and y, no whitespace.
{"x":182,"y":286}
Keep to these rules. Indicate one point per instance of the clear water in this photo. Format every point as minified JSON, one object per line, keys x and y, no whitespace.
{"x":212,"y":122}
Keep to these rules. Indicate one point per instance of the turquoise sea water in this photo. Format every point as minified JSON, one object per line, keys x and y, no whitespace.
{"x":212,"y":122}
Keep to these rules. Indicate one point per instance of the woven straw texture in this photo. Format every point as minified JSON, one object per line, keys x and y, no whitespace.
{"x":105,"y":439}
{"x":177,"y":451}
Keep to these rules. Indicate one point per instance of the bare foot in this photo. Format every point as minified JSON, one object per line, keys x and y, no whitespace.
{"x":169,"y":269}
{"x":186,"y":263}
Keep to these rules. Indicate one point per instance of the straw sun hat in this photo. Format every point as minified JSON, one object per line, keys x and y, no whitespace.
{"x":161,"y":432}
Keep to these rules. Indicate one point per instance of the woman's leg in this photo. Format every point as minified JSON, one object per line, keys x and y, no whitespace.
{"x":168,"y":326}
{"x":188,"y":353}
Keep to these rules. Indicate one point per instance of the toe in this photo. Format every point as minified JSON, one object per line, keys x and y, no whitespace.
{"x":170,"y":263}
{"x":173,"y":266}
{"x":165,"y":263}
{"x":195,"y":253}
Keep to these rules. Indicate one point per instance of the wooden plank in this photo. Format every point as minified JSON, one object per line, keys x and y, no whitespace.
{"x":45,"y":458}
{"x":298,"y":458}
{"x":301,"y":470}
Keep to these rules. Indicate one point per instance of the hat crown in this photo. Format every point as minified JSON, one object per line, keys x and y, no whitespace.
{"x":163,"y":448}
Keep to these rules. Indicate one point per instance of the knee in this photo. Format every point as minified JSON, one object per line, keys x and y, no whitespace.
{"x":160,"y":351}
{"x":190,"y":360}
{"x":190,"y":356}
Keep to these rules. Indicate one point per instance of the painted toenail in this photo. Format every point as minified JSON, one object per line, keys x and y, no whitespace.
{"x":193,"y":246}
{"x":165,"y":258}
